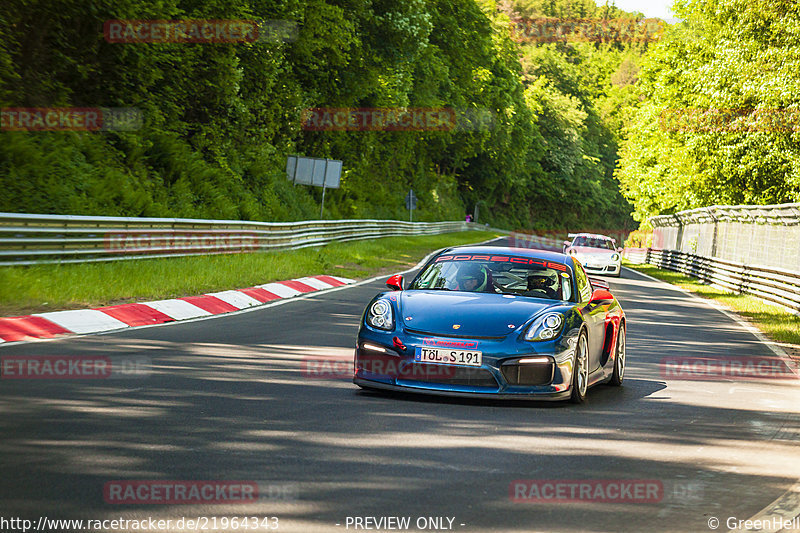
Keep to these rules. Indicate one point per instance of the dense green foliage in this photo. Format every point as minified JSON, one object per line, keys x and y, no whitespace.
{"x":738,"y":62}
{"x":578,"y":91}
{"x":221,"y":118}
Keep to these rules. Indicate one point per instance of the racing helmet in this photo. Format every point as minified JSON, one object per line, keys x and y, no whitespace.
{"x":469,"y":273}
{"x":539,"y":281}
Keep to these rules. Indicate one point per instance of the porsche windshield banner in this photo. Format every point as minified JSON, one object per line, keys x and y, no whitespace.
{"x":502,"y":259}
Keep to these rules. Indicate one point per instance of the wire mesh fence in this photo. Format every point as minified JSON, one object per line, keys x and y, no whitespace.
{"x":766,"y":236}
{"x":746,"y":248}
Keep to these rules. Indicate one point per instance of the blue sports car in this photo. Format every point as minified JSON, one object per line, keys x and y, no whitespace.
{"x":493,"y":322}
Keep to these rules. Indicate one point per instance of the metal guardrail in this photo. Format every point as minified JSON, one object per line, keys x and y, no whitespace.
{"x":774,"y":284}
{"x":27,"y":239}
{"x":751,"y":249}
{"x":635,"y":255}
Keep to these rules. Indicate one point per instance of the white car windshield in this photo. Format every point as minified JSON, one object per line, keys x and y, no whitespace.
{"x":593,"y":242}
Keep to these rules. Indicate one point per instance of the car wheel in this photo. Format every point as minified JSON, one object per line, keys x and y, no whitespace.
{"x":619,"y":358}
{"x":580,"y":370}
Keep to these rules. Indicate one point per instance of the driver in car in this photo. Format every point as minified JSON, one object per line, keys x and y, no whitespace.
{"x":472,"y":277}
{"x":542,"y":283}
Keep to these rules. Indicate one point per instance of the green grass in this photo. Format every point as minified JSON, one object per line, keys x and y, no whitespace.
{"x":776,"y":322}
{"x":40,"y":288}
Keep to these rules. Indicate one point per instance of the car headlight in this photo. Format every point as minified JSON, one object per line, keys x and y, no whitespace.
{"x":573,"y":253}
{"x":546,"y":327}
{"x":379,"y":315}
{"x":615,"y":257}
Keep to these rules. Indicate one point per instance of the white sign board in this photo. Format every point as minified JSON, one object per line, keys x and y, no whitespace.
{"x":314,"y":171}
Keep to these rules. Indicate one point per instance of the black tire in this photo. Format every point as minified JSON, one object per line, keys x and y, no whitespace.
{"x":620,"y":356}
{"x":580,"y":370}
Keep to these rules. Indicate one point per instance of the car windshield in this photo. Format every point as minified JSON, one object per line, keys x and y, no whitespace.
{"x":521,"y":276}
{"x":593,"y":242}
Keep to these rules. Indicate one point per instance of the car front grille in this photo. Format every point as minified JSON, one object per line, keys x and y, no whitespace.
{"x":453,"y":375}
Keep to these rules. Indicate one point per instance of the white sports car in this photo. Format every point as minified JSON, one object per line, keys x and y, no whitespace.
{"x":597,"y":254}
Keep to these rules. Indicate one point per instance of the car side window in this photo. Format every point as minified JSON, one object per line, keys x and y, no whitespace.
{"x":584,"y":288}
{"x":566,"y":287}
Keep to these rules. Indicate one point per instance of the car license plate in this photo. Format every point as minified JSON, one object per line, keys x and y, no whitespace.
{"x":448,"y":356}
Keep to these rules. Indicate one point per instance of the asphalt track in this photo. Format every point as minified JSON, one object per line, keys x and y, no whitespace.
{"x":236,"y":398}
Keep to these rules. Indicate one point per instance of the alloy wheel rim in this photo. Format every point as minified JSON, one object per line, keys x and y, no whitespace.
{"x":583,"y":367}
{"x":621,"y":354}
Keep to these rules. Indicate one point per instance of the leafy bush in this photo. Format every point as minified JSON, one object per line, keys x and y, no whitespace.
{"x":220,"y":119}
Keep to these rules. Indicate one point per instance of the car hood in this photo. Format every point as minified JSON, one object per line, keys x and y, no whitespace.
{"x":476,"y":314}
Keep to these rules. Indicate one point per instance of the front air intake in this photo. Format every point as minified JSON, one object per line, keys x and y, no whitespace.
{"x":530,"y":374}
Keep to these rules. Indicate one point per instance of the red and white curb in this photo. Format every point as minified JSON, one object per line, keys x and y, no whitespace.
{"x":82,"y":321}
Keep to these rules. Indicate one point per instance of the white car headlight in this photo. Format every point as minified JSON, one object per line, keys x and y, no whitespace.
{"x":615,"y":257}
{"x":379,"y":315}
{"x":546,"y":327}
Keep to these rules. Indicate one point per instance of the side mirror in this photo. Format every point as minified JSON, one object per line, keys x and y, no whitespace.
{"x":600,"y":296}
{"x":599,"y":283}
{"x":620,"y":250}
{"x":395,"y":282}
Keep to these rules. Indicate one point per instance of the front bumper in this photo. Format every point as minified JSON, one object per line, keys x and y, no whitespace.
{"x":501,"y":374}
{"x":597,"y":267}
{"x":549,"y":397}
